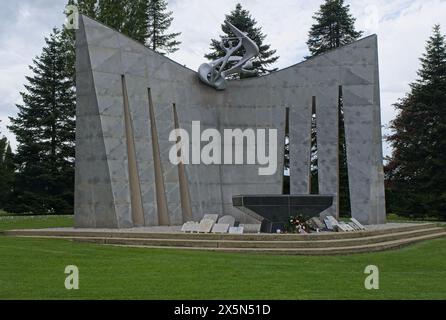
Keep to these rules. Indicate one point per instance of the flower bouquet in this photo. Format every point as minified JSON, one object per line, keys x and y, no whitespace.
{"x":298,"y":224}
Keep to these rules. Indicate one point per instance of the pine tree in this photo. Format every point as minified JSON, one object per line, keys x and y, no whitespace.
{"x":136,"y":23}
{"x":416,"y":172}
{"x":3,"y":182}
{"x":8,"y":161}
{"x":112,"y":13}
{"x":433,"y":62}
{"x":87,"y":7}
{"x":243,"y":20}
{"x":334,"y":27}
{"x":128,"y":17}
{"x":146,"y":21}
{"x":6,"y":171}
{"x":159,"y":21}
{"x":45,"y":131}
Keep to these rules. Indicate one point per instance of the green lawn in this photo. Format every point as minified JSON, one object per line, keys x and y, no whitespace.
{"x":2,"y":213}
{"x":8,"y":222}
{"x":396,"y":218}
{"x":34,"y":269}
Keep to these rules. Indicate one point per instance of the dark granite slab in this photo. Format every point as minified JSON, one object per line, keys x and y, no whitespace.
{"x":275,"y":210}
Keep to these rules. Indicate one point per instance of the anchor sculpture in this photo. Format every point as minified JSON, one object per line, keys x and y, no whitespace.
{"x":214,"y":74}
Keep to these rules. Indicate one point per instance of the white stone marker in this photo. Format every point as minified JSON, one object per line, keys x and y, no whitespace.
{"x":251,"y":228}
{"x":220,"y":228}
{"x":213,"y":217}
{"x":354,"y":226}
{"x":205,"y":226}
{"x":331,"y":222}
{"x":227,"y":219}
{"x":358,"y":224}
{"x":236,"y":230}
{"x":346,"y":227}
{"x":190,"y":227}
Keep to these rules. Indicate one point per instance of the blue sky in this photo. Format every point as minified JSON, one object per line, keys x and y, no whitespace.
{"x":402,"y":26}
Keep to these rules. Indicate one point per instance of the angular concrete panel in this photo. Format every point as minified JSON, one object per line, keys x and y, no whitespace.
{"x":94,"y":200}
{"x":362,"y":115}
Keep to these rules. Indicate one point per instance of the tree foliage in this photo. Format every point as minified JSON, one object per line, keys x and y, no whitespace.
{"x":159,"y":21}
{"x":146,"y":21}
{"x":416,"y":174}
{"x":334,"y":27}
{"x":7,"y":169}
{"x":45,"y":131}
{"x":243,"y":20}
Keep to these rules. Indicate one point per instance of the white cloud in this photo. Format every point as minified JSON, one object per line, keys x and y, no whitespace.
{"x":403,"y":26}
{"x":23,"y":25}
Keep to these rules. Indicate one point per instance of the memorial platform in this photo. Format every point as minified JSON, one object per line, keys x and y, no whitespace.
{"x":375,"y":238}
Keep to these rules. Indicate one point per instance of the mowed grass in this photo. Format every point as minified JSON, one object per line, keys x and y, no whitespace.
{"x":34,"y":269}
{"x":8,"y":222}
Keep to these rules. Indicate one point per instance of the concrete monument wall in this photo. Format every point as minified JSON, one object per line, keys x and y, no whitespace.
{"x":130,"y":98}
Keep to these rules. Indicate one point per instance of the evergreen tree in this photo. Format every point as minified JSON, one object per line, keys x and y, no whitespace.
{"x":136,"y":23}
{"x":128,"y":17}
{"x":45,"y":131}
{"x":243,"y":20}
{"x":87,"y":7}
{"x":6,"y":172}
{"x":416,"y":172}
{"x":334,"y":27}
{"x":159,"y":21}
{"x":112,"y":13}
{"x":433,"y":62}
{"x":146,"y":21}
{"x":3,"y":182}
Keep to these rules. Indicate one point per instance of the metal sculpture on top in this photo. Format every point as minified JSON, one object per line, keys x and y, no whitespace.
{"x":214,"y":74}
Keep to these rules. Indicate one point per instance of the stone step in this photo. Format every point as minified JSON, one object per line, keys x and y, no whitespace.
{"x":193,"y":243}
{"x":381,"y":246}
{"x":315,"y":244}
{"x":328,"y":243}
{"x":245,"y":237}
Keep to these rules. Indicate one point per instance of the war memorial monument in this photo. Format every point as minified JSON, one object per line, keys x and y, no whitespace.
{"x":130,"y":99}
{"x":168,"y":157}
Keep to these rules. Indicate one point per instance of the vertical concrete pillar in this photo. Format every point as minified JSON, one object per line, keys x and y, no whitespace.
{"x":186,"y":206}
{"x":135,"y":187}
{"x":300,"y":143}
{"x":163,"y":213}
{"x":328,"y":144}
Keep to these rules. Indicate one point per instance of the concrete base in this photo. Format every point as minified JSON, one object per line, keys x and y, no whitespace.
{"x":176,"y":231}
{"x":375,"y":238}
